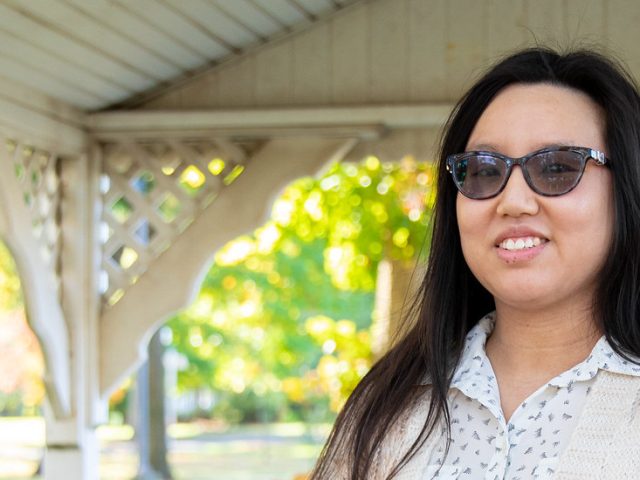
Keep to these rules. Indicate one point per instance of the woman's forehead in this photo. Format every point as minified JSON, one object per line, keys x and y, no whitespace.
{"x":526,"y":117}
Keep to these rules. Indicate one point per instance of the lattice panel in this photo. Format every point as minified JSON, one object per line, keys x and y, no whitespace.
{"x":38,"y":176}
{"x":151,"y":194}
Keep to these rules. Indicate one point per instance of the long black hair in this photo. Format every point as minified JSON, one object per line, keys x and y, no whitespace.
{"x":451,"y":301}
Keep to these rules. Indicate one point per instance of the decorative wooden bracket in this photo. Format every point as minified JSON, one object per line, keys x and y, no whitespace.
{"x":28,"y":225}
{"x":171,"y":281}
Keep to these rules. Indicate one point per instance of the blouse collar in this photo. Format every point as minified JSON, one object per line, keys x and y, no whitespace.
{"x":475,"y":363}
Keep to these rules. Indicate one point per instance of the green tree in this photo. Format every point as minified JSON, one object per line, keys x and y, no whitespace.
{"x":21,"y":387}
{"x":10,"y":293}
{"x":281,"y":326}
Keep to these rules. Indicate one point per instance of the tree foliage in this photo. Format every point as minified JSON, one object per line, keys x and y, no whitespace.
{"x":281,"y":327}
{"x":21,"y":363}
{"x":10,"y":293}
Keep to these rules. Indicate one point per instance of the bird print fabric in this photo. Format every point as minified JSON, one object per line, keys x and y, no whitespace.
{"x":484,"y":445}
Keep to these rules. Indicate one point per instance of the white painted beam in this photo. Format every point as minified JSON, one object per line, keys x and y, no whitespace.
{"x":359,"y":121}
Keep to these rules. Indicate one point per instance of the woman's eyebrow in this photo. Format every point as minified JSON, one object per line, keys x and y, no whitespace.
{"x":486,"y":147}
{"x":489,"y":147}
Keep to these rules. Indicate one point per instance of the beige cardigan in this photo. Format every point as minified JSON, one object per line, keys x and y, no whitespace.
{"x":605,"y":444}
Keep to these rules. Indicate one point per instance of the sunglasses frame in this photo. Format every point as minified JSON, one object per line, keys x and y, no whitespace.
{"x":585,"y":154}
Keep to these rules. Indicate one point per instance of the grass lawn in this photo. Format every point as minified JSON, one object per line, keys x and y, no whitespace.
{"x":197,"y":450}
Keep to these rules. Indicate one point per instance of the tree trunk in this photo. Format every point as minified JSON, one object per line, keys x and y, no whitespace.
{"x":396,"y":287}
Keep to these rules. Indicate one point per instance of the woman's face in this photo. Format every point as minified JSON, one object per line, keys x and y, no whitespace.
{"x":574,"y":230}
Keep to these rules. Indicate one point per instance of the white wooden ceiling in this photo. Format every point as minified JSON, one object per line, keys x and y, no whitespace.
{"x":93,"y":54}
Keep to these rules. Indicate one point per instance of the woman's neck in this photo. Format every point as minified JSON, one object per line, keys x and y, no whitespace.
{"x":540,"y":343}
{"x":527,"y":349}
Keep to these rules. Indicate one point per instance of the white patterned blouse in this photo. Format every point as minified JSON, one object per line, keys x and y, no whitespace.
{"x":486,"y":446}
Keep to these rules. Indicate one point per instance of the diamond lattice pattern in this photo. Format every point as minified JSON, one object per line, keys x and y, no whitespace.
{"x":38,"y":177}
{"x":152,"y":191}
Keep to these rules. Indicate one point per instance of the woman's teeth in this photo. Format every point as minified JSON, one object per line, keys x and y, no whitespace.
{"x":520,"y":243}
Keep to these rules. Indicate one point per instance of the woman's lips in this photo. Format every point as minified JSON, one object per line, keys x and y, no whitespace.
{"x":520,"y":249}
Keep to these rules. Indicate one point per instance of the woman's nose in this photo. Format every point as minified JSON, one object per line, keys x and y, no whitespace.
{"x":517,"y":198}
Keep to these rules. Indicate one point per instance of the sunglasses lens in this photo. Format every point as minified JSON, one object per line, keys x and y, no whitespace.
{"x":556,"y":172}
{"x":479,"y":176}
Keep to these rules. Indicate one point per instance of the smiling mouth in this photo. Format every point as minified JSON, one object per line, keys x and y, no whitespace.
{"x":521,"y":243}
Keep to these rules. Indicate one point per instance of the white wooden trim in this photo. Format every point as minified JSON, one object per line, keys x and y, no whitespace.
{"x":173,"y":280}
{"x":42,"y":305}
{"x":40,"y":130}
{"x":345,"y":121}
{"x":40,"y":121}
{"x":35,"y":100}
{"x":368,"y":132}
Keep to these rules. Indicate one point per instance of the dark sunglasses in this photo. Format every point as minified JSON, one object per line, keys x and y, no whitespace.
{"x":551,"y":171}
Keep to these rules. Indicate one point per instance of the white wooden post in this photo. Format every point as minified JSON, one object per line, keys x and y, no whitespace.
{"x":72,"y":450}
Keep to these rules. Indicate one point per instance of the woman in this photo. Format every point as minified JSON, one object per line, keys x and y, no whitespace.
{"x":523,"y":360}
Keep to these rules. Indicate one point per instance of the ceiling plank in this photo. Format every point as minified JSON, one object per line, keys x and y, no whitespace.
{"x":42,"y":81}
{"x":19,"y":24}
{"x":76,"y":77}
{"x":210,"y":18}
{"x":251,"y":18}
{"x":209,"y":21}
{"x":317,"y":7}
{"x":83,"y":30}
{"x":284,"y":11}
{"x":166,"y":19}
{"x":157,"y":41}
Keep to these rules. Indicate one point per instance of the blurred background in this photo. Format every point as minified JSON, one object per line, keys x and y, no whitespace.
{"x":255,"y":370}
